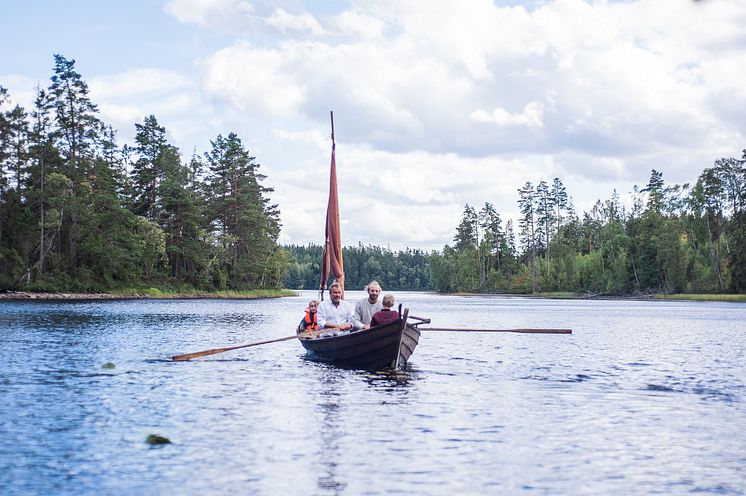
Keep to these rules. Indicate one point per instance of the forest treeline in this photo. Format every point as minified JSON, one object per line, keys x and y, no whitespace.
{"x":394,"y":270}
{"x":673,"y":239}
{"x":79,"y":212}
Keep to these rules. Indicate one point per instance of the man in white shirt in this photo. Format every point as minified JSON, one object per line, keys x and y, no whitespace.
{"x":335,"y":313}
{"x":365,"y":308}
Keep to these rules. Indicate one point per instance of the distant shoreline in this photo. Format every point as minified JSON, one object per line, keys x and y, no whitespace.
{"x":245,"y":295}
{"x":737,"y":298}
{"x":252,"y":295}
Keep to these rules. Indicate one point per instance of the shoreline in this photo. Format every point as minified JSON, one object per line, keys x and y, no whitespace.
{"x":27,"y":295}
{"x":248,"y":295}
{"x":729,"y":298}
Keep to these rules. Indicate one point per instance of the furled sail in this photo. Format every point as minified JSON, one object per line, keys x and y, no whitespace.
{"x":331,"y":260}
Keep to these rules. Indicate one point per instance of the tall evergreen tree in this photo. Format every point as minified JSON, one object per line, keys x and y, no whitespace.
{"x":151,"y":156}
{"x":561,"y":202}
{"x":467,"y":234}
{"x":45,"y":157}
{"x":491,"y":225}
{"x":656,"y":192}
{"x":77,"y":125}
{"x":75,"y":134}
{"x":245,"y":221}
{"x":181,"y":219}
{"x":544,"y":217}
{"x":527,"y":226}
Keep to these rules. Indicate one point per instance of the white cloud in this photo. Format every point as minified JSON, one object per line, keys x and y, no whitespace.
{"x":531,"y":116}
{"x":359,"y":25}
{"x":219,"y":14}
{"x":442,"y":103}
{"x":285,"y":21}
{"x":121,"y":115}
{"x":128,"y":97}
{"x":21,"y":90}
{"x":143,"y":81}
{"x":255,"y":79}
{"x":447,"y":103}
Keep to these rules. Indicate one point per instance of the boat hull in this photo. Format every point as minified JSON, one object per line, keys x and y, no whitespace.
{"x":385,"y":346}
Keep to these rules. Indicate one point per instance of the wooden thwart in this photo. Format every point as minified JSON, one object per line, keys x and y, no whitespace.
{"x":197,"y":354}
{"x":524,"y":331}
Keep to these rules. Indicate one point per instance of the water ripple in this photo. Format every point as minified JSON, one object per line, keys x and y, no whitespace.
{"x":644,"y":398}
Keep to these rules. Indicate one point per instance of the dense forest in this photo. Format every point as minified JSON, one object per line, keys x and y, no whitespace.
{"x":401,"y":270}
{"x":673,"y":239}
{"x":78,"y":212}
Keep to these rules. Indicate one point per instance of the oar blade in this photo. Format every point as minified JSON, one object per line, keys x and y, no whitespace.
{"x":197,"y":354}
{"x":522,"y":331}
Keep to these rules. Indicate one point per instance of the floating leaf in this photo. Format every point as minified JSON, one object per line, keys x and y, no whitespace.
{"x":108,"y":365}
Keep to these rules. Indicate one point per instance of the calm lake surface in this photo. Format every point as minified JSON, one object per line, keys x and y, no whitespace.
{"x":643,"y":398}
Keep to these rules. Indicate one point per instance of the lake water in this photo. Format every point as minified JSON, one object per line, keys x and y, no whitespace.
{"x":642,"y":398}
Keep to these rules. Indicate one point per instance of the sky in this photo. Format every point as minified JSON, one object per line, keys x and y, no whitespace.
{"x":437,"y":103}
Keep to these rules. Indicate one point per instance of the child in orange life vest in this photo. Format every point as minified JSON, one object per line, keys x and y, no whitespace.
{"x":309,"y":321}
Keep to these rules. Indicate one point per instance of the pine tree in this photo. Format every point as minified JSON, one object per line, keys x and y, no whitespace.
{"x":180,"y":218}
{"x":656,"y":192}
{"x":527,"y":224}
{"x":150,"y":155}
{"x":491,"y":224}
{"x":45,"y":158}
{"x":467,"y":234}
{"x":77,"y":126}
{"x":75,"y":135}
{"x":246,"y":224}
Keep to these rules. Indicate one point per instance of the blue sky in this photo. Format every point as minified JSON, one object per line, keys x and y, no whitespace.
{"x":436,"y":103}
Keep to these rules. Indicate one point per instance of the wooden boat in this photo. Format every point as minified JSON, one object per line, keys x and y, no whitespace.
{"x":387,"y":345}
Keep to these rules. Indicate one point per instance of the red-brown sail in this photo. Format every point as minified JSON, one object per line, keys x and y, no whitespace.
{"x":331,"y":260}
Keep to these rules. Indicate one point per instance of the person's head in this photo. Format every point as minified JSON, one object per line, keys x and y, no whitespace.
{"x":388,"y":301}
{"x":335,"y":291}
{"x":374,"y":289}
{"x":313,"y":305}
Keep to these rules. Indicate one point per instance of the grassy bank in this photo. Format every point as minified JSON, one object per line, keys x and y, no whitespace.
{"x":680,"y":296}
{"x":165,"y":294}
{"x":148,"y":293}
{"x":702,"y":297}
{"x":569,"y":295}
{"x":559,"y":295}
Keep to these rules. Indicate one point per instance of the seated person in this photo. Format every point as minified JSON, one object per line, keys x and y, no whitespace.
{"x":336,"y":313}
{"x":309,"y":322}
{"x":385,"y":315}
{"x":365,"y":308}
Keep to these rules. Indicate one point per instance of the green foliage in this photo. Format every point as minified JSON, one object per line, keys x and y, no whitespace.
{"x":400,"y":270}
{"x":737,"y":258}
{"x":673,"y":240}
{"x":73,"y":219}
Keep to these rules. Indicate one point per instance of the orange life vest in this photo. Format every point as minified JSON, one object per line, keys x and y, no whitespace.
{"x":311,"y":325}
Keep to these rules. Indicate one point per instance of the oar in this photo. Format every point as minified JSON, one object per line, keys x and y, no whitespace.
{"x":525,"y":331}
{"x":196,"y":354}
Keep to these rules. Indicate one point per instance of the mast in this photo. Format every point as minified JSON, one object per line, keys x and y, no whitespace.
{"x":331,"y":260}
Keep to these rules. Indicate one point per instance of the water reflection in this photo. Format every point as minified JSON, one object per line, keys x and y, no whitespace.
{"x":331,"y":431}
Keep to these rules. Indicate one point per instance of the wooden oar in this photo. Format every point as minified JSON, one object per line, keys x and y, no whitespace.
{"x":525,"y":331}
{"x":421,"y":319}
{"x":196,"y":354}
